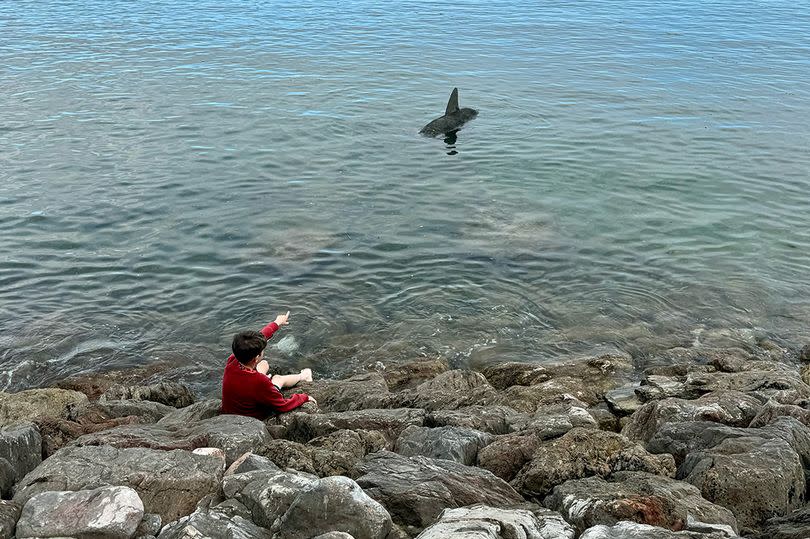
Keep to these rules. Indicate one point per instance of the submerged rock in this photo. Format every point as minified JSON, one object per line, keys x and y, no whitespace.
{"x":110,"y":512}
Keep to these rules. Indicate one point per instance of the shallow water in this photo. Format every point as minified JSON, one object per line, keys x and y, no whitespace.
{"x":171,"y":172}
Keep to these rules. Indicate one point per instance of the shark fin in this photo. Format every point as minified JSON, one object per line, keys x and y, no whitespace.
{"x":452,"y":105}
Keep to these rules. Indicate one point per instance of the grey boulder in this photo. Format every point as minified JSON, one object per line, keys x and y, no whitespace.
{"x":21,"y":448}
{"x":9,"y":515}
{"x":208,"y":522}
{"x":170,"y":483}
{"x":110,"y":512}
{"x":637,"y":496}
{"x":391,"y":422}
{"x":634,"y":530}
{"x":334,"y":504}
{"x":451,"y":443}
{"x":266,"y":493}
{"x":169,"y":393}
{"x":583,"y":453}
{"x":483,"y":522}
{"x":492,"y":419}
{"x":415,"y":490}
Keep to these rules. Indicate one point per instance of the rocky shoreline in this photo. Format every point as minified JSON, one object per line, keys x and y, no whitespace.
{"x":714,"y":443}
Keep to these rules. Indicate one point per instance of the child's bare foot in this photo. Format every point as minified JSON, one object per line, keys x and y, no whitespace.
{"x":306,"y":375}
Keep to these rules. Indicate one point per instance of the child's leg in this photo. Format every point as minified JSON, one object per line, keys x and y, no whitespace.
{"x":289,"y":380}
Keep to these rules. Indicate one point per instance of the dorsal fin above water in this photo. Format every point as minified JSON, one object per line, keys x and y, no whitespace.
{"x":452,"y":105}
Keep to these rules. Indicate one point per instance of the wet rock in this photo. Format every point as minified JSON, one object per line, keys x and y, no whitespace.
{"x":772,"y":409}
{"x":93,"y":385}
{"x":334,"y":504}
{"x":507,"y":455}
{"x":359,"y":392}
{"x":505,"y":374}
{"x":726,"y":407}
{"x":634,"y":496}
{"x":303,"y":427}
{"x":9,"y":515}
{"x":169,"y":393}
{"x":170,"y":483}
{"x":207,"y":522}
{"x":528,"y":398}
{"x":110,"y":512}
{"x":266,"y":493}
{"x":145,"y":411}
{"x":458,"y":444}
{"x":415,"y":490}
{"x":412,"y":373}
{"x":233,"y":434}
{"x":36,"y":404}
{"x":204,"y":409}
{"x":633,"y":530}
{"x":21,"y":448}
{"x":484,"y":522}
{"x":795,"y":525}
{"x":582,"y":453}
{"x":755,"y":477}
{"x":450,"y":390}
{"x":492,"y":419}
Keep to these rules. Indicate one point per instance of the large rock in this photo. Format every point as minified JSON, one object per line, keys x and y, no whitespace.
{"x":492,"y":419}
{"x":170,"y":483}
{"x":655,"y":387}
{"x":93,"y":385}
{"x":582,"y":453}
{"x":484,"y":522}
{"x":200,"y":410}
{"x":21,"y":447}
{"x":209,"y":522}
{"x":334,"y":504}
{"x":36,"y":404}
{"x":412,"y":373}
{"x":304,"y":427}
{"x":334,"y":454}
{"x":169,"y":393}
{"x":415,"y":490}
{"x":368,"y":390}
{"x":507,"y":455}
{"x":145,"y":411}
{"x":9,"y":515}
{"x":772,"y":409}
{"x":528,"y":399}
{"x":635,"y":496}
{"x":726,"y":407}
{"x":633,"y":530}
{"x":554,"y":420}
{"x":266,"y":493}
{"x":795,"y":525}
{"x":681,"y":439}
{"x":755,"y":477}
{"x":450,"y":390}
{"x":451,"y":443}
{"x":110,"y":512}
{"x":233,"y":434}
{"x":771,"y":381}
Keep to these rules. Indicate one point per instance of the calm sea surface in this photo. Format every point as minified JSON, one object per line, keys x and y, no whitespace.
{"x":174,"y":171}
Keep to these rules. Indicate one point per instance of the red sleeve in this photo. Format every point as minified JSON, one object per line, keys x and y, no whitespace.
{"x":269,"y":329}
{"x":270,"y":396}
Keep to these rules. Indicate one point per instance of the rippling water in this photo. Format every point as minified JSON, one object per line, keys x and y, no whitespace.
{"x":171,"y":172}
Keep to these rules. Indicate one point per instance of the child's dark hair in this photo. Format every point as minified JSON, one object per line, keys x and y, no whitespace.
{"x":247,"y":345}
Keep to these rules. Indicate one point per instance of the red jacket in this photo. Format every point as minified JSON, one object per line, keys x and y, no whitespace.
{"x":251,"y":393}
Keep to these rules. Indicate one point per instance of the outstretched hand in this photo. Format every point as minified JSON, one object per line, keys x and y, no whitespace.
{"x":281,"y":319}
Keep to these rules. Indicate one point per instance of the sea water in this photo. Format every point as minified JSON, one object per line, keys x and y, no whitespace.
{"x":174,"y":171}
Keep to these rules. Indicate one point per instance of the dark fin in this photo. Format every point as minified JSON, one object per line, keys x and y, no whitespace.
{"x":452,"y":105}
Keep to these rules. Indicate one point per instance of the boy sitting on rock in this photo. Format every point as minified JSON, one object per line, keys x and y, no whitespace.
{"x":247,"y":389}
